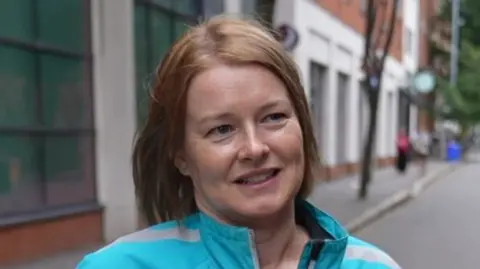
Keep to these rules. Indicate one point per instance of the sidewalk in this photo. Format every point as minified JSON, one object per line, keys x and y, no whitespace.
{"x":339,"y":197}
{"x":64,"y":260}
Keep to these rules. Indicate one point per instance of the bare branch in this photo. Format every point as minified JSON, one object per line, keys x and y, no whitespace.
{"x":380,"y":31}
{"x":391,"y":28}
{"x":369,"y":26}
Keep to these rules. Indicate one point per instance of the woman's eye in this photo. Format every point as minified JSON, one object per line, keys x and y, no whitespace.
{"x":221,"y":130}
{"x":275,"y":117}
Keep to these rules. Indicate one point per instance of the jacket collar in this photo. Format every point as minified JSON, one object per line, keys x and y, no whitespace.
{"x":233,"y":247}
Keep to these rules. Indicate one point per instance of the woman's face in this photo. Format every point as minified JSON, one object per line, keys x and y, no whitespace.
{"x":243,"y":145}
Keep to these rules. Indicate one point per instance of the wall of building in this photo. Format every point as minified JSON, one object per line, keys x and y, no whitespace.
{"x":411,"y":14}
{"x":428,"y":11}
{"x":337,"y":46}
{"x":352,"y":14}
{"x":330,"y":48}
{"x":115,"y":113}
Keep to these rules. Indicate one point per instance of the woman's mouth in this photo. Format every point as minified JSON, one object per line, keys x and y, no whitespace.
{"x":258,"y":178}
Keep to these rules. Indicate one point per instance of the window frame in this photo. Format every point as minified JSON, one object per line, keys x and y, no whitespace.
{"x":41,"y":132}
{"x":173,"y":15}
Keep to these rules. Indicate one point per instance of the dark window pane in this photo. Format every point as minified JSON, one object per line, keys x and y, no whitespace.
{"x":164,"y":3}
{"x":142,"y":65}
{"x":187,"y":7}
{"x":155,"y":31}
{"x":69,"y":170}
{"x":17,"y":90}
{"x":248,"y":6}
{"x":61,"y":23}
{"x":66,"y":98}
{"x":16,"y":20}
{"x":181,"y":27}
{"x":214,"y":7}
{"x":141,"y":42}
{"x":161,"y":25}
{"x":20,"y":186}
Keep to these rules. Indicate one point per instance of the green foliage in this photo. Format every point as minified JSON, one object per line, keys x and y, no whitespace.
{"x":462,"y":101}
{"x":470,"y":13}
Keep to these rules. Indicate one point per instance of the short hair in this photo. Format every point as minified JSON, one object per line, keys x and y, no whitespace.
{"x":163,"y":193}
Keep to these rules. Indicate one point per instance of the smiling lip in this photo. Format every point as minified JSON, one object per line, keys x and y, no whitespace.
{"x":251,"y":178}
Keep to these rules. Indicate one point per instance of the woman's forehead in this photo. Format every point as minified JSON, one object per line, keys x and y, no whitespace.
{"x":227,"y":87}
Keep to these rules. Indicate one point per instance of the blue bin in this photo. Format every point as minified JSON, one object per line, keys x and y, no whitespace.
{"x":454,"y":151}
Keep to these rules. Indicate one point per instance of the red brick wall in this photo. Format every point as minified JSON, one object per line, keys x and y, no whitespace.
{"x":29,"y":241}
{"x":350,"y":13}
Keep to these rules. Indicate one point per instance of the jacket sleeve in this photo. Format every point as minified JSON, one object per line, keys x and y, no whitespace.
{"x":107,"y":261}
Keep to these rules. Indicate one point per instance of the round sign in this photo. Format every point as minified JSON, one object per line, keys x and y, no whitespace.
{"x":287,"y":36}
{"x":424,"y":81}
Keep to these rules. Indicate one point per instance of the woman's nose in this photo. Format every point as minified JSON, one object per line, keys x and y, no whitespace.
{"x":253,"y":148}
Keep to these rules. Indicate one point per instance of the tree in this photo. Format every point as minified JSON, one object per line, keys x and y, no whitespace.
{"x":379,"y":29}
{"x":470,"y":14}
{"x":462,"y":100}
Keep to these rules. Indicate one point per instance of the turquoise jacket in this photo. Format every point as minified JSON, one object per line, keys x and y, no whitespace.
{"x":201,"y":243}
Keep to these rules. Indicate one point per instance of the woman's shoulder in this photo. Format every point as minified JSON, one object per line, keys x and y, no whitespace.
{"x":161,"y":246}
{"x":361,"y":254}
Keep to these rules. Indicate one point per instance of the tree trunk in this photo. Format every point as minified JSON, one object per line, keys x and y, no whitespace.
{"x":368,"y":150}
{"x":374,"y":67}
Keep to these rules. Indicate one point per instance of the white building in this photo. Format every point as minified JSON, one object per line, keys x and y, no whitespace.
{"x":329,"y":55}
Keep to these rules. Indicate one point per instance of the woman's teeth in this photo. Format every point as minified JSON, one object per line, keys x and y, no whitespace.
{"x":257,"y":178}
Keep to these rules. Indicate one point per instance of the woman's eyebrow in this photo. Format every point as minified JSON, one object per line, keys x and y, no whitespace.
{"x":214,"y":116}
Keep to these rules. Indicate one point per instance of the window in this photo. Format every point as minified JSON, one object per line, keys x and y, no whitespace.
{"x":158,"y":23}
{"x":318,"y":84}
{"x":249,"y":6}
{"x":408,"y":41}
{"x":363,"y":111}
{"x":343,"y":87}
{"x":403,"y":112}
{"x":390,"y":127}
{"x":46,"y":115}
{"x":214,"y":7}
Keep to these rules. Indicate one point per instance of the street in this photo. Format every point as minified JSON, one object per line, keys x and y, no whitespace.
{"x":439,"y":229}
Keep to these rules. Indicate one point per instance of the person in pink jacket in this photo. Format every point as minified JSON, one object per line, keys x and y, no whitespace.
{"x":403,"y":147}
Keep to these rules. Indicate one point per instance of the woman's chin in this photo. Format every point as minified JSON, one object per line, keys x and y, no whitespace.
{"x":263,"y":210}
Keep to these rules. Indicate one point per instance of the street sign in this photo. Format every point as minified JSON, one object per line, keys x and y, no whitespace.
{"x":424,"y":82}
{"x":373,"y":82}
{"x":287,"y":36}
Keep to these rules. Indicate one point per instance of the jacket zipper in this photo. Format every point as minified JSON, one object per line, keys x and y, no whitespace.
{"x":253,"y":249}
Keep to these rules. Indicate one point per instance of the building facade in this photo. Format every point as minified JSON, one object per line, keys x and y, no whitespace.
{"x":329,"y":55}
{"x":74,"y":78}
{"x":73,"y":83}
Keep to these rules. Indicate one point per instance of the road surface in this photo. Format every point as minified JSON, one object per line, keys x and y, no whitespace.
{"x":440,"y":229}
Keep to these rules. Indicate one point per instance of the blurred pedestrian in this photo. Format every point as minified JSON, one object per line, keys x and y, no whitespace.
{"x":225,"y":163}
{"x":421,"y":144}
{"x":403,"y":148}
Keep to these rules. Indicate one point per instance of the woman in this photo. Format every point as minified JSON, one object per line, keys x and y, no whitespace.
{"x":403,"y":146}
{"x":421,"y":145}
{"x":225,"y":160}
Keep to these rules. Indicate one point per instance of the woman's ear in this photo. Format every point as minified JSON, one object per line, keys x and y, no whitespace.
{"x":181,"y":163}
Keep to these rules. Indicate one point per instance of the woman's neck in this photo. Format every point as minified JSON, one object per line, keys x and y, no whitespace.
{"x":281,"y":245}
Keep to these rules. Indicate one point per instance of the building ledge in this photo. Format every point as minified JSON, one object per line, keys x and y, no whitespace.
{"x":49,"y":214}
